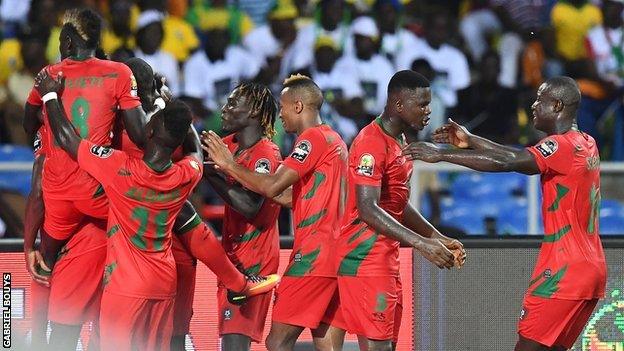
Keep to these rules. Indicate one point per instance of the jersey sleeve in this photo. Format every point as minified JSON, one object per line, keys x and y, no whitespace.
{"x":193,"y":169}
{"x":265,"y":161}
{"x":101,"y":162}
{"x":126,"y":89}
{"x":34,"y":98}
{"x":553,"y":154}
{"x":309,"y":148}
{"x":366,"y":163}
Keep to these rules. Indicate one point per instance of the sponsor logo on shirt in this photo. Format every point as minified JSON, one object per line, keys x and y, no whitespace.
{"x":133,"y":86}
{"x":547,"y":148}
{"x":547,"y":273}
{"x":593,"y":162}
{"x":302,"y":150}
{"x":263,"y":166}
{"x":298,"y":257}
{"x":101,"y":151}
{"x":524,"y":313}
{"x":366,"y":165}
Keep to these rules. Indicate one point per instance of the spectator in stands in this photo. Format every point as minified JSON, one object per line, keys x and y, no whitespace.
{"x":44,"y":16}
{"x":371,"y":69}
{"x":179,"y":37}
{"x":212,"y":73}
{"x":258,"y":10}
{"x":605,"y":45}
{"x":572,"y":20}
{"x":487,"y":108}
{"x":205,"y":15}
{"x":276,"y":41}
{"x":149,"y":39}
{"x":331,"y":23}
{"x":446,"y":60}
{"x":341,"y":89}
{"x":438,"y":111}
{"x":119,"y":33}
{"x":394,"y":38}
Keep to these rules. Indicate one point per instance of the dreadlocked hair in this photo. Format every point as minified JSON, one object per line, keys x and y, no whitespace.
{"x":260,"y":98}
{"x":86,"y":24}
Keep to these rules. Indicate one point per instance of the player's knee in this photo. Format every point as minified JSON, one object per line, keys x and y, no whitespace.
{"x":276,"y":343}
{"x":379,"y":345}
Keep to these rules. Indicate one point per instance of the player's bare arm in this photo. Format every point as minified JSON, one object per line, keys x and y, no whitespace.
{"x":244,"y":201}
{"x":413,"y":220}
{"x":457,"y":135}
{"x":192,"y":146}
{"x":268,"y":185}
{"x":60,"y":126}
{"x":511,"y":160}
{"x":134,"y":121}
{"x":379,"y":220}
{"x":33,"y":220}
{"x":31,"y":122}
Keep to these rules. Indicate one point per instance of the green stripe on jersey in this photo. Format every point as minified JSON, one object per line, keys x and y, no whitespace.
{"x":357,"y":234}
{"x":561,"y":193}
{"x":351,"y":263}
{"x":382,"y":302}
{"x":312,"y":219}
{"x":318,"y":179}
{"x":550,"y":285}
{"x":253,"y":270}
{"x":551,"y":238}
{"x":108,"y":271}
{"x":250,"y":236}
{"x":112,"y":231}
{"x":302,"y":265}
{"x":190,"y":225}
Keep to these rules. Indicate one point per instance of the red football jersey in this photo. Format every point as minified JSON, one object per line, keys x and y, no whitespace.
{"x":571,"y":262}
{"x":320,"y":159}
{"x":254,"y":244}
{"x":374,"y":159}
{"x":144,"y":203}
{"x":93,"y":90}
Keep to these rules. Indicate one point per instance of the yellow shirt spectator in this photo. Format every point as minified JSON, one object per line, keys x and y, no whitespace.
{"x":571,"y":26}
{"x":180,"y":38}
{"x":10,"y":58}
{"x":205,"y":18}
{"x":111,"y":42}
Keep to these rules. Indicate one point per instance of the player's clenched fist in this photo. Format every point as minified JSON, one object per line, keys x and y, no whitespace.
{"x":435,"y":251}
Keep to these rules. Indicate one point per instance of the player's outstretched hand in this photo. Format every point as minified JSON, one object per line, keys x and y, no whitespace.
{"x":435,"y":251}
{"x":216,"y":149}
{"x":44,"y":83}
{"x":34,"y":260}
{"x":452,"y":133}
{"x":457,"y":248}
{"x":423,"y":151}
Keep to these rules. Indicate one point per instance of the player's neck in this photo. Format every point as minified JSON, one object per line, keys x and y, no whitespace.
{"x":248,"y":137}
{"x":565,"y":126}
{"x":82,"y":54}
{"x":309,"y":121}
{"x":157,"y":157}
{"x":392,"y":126}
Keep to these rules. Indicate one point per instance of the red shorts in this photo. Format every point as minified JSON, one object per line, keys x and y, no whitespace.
{"x":135,"y":324}
{"x":247,"y":319}
{"x":370,"y":306}
{"x":554,"y":322}
{"x":306,"y":301}
{"x":64,"y":217}
{"x":186,"y":267}
{"x":76,"y":287}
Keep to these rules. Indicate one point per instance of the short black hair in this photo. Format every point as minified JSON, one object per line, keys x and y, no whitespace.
{"x":564,"y":89}
{"x":407,"y":79}
{"x":177,"y":121}
{"x":305,"y":88}
{"x":141,"y":70}
{"x":84,"y":25}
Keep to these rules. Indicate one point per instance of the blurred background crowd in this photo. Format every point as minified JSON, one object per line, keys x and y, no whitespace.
{"x":485,"y":59}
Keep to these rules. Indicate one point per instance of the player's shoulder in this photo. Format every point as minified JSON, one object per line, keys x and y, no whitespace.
{"x":370,"y":135}
{"x":554,"y":144}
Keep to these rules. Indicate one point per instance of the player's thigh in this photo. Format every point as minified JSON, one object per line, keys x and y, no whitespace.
{"x":96,"y":207}
{"x":247,"y":319}
{"x":525,"y":344}
{"x":282,"y":336}
{"x":304,"y":301}
{"x":61,"y":218}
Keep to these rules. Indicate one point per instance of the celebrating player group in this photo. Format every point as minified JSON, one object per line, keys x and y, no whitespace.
{"x":117,"y":159}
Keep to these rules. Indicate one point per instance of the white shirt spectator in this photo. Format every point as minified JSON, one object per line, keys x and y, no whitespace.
{"x":304,"y":55}
{"x":261,"y":43}
{"x":446,"y":61}
{"x":394,"y":43}
{"x":373,"y":75}
{"x":14,"y":10}
{"x":164,"y":64}
{"x":602,"y":41}
{"x":213,"y":81}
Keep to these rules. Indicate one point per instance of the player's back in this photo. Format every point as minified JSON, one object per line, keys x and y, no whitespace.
{"x":93,"y":90}
{"x":571,"y":254}
{"x":320,"y":159}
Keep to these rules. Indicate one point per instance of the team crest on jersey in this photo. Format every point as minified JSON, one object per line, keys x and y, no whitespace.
{"x":227,"y":314}
{"x":366,"y":165}
{"x":302,"y":150}
{"x":101,"y":151}
{"x":134,"y":87}
{"x":263,"y":166}
{"x":524,"y":313}
{"x":547,"y":148}
{"x":37,"y":142}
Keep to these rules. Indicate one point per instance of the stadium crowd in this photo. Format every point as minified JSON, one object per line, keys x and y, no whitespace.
{"x":485,"y":58}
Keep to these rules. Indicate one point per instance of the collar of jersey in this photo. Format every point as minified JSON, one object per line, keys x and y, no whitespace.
{"x":80,"y":58}
{"x":238,"y":152}
{"x":398,"y":139}
{"x":159,"y":170}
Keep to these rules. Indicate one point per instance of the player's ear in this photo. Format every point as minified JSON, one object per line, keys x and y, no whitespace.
{"x":298,"y":106}
{"x":398,"y":104}
{"x":558,"y":106}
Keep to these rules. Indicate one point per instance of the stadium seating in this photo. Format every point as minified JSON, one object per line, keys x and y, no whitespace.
{"x":18,"y":181}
